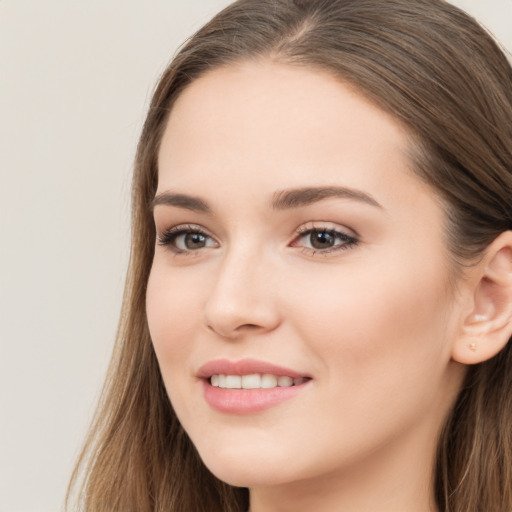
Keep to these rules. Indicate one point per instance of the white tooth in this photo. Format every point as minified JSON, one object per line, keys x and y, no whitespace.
{"x":222,"y":381}
{"x":215,"y":380}
{"x":284,"y":381}
{"x":268,"y":381}
{"x":298,"y":380}
{"x":251,"y":381}
{"x":233,"y":381}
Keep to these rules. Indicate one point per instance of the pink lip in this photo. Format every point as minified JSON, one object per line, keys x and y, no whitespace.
{"x":246,"y":401}
{"x":244,"y":367}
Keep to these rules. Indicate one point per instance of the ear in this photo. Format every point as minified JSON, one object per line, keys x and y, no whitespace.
{"x":487,"y":327}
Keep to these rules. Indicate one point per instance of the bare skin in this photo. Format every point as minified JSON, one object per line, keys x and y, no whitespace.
{"x":350,"y":287}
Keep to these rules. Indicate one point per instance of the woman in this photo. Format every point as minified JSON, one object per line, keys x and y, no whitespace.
{"x":319,"y":301}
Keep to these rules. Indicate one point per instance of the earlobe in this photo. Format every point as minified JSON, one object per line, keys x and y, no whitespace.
{"x":488,"y":327}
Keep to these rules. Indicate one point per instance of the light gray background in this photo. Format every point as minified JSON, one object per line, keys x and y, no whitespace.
{"x":75,"y":80}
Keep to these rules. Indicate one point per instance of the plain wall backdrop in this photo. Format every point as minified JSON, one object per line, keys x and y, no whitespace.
{"x":75,"y":80}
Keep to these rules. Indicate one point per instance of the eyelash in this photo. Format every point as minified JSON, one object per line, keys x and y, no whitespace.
{"x":169,"y":237}
{"x":347,"y":241}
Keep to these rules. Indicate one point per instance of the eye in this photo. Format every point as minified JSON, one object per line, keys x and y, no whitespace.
{"x":323,"y":240}
{"x":186,"y":239}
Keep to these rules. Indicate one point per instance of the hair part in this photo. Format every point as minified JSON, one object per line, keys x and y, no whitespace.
{"x":437,"y":71}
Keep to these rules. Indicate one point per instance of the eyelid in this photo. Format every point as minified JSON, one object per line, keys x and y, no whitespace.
{"x":326,"y":226}
{"x":349,"y":240}
{"x":167,"y":236}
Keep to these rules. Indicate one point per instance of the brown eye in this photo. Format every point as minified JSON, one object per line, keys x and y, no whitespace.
{"x":317,"y":240}
{"x":194,"y":240}
{"x":322,"y":239}
{"x":186,"y":239}
{"x":191,"y":241}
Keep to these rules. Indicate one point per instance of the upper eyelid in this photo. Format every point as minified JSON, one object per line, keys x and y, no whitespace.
{"x":347,"y":241}
{"x":183,"y":228}
{"x":300,"y":231}
{"x":302,"y":228}
{"x":168,"y":237}
{"x":340,"y":232}
{"x":187,"y":227}
{"x":327,"y":226}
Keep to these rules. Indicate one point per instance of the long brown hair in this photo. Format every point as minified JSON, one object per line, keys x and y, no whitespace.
{"x":435,"y":69}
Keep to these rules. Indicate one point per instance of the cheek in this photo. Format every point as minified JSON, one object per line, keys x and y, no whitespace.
{"x":379,"y":341}
{"x":173,"y":316}
{"x":374,"y":336}
{"x":173,"y":312}
{"x":382,"y":324}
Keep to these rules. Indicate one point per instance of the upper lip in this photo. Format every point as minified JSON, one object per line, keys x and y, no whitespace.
{"x":245,"y":367}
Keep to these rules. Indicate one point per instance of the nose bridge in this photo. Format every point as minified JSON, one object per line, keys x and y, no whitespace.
{"x":241,"y":299}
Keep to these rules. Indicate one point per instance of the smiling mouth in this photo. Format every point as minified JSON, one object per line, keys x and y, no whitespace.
{"x":251,"y":393}
{"x":255,"y":381}
{"x":249,"y":386}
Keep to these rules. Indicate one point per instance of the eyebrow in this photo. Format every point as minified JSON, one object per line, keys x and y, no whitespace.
{"x":282,"y":200}
{"x":195,"y":204}
{"x":295,"y":198}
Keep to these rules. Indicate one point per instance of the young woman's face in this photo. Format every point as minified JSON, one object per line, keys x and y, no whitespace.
{"x":296,"y":247}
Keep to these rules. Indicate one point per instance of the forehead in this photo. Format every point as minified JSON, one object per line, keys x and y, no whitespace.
{"x":280,"y":126}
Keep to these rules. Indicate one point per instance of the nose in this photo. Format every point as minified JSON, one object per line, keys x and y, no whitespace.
{"x":243,"y":299}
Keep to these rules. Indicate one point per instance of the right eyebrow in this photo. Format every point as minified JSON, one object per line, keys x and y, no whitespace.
{"x":193,"y":203}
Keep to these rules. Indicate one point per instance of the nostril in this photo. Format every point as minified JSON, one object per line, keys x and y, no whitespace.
{"x":244,"y":328}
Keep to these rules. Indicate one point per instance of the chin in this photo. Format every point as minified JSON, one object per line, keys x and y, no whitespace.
{"x":240,"y":476}
{"x":242,"y":469}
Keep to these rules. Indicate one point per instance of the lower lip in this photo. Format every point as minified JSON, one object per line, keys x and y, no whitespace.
{"x":248,"y":401}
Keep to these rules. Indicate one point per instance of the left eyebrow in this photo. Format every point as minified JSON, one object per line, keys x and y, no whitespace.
{"x":295,"y":198}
